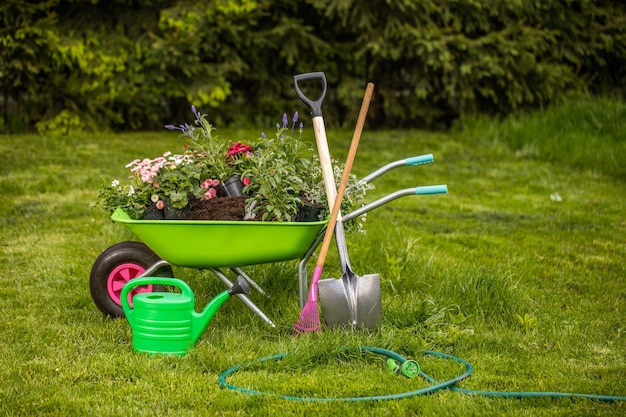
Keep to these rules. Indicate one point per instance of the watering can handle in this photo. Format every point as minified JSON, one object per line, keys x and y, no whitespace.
{"x":315,"y":105}
{"x":136,"y":282}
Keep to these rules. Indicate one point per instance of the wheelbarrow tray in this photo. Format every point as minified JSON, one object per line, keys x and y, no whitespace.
{"x":214,"y":244}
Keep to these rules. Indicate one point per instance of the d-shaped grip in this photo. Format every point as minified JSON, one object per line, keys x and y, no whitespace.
{"x":314,"y":105}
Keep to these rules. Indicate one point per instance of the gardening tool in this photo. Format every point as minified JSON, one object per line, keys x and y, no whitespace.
{"x":309,"y":318}
{"x":351,"y":300}
{"x":167,"y":323}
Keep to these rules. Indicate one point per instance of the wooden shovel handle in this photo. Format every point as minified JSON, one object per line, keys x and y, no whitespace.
{"x":346,"y":174}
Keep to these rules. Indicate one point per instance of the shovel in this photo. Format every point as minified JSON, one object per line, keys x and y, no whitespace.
{"x":351,"y":300}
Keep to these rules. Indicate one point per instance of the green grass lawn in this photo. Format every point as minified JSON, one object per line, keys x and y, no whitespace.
{"x":520,"y":270}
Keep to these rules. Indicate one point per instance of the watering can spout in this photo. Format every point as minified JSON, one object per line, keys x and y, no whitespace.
{"x":201,"y":320}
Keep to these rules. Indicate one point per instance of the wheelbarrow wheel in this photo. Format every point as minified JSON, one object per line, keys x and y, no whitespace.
{"x":115,"y":267}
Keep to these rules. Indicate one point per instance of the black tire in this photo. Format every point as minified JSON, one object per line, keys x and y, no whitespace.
{"x":115,"y":266}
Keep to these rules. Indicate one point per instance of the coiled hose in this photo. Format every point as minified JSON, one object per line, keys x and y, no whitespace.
{"x":433,"y":387}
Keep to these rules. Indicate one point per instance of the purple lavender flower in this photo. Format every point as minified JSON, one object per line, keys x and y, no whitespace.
{"x":197,"y":114}
{"x":285,"y":121}
{"x":172,"y":127}
{"x":295,"y":119}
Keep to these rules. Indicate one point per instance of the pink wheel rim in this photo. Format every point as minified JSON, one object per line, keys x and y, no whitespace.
{"x":120,"y":276}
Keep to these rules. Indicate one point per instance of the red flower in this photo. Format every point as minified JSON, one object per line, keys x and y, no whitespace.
{"x":236,"y":150}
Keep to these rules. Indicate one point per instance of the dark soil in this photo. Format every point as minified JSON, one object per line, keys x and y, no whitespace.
{"x":234,"y":209}
{"x":220,"y":208}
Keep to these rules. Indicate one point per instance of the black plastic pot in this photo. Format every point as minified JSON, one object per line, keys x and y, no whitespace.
{"x":153,"y":213}
{"x":231,"y":187}
{"x":173,"y":213}
{"x":308,"y":213}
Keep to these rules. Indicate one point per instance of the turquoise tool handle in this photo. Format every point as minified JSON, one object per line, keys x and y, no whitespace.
{"x":136,"y":282}
{"x":431,"y":189}
{"x":421,"y":159}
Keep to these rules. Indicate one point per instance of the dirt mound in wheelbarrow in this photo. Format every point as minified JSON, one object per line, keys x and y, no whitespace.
{"x":220,"y":208}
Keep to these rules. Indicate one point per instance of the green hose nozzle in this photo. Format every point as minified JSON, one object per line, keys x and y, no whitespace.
{"x":408,"y":368}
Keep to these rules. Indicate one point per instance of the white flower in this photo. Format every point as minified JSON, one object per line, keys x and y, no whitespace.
{"x":131,"y":191}
{"x":115,"y":183}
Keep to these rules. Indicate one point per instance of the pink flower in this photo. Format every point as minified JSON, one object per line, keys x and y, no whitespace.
{"x":215,"y":183}
{"x":246,"y":181}
{"x":160,"y":205}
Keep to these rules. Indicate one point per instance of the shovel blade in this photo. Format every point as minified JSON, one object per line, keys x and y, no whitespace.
{"x":335,"y":301}
{"x":369,"y":305}
{"x":351,"y":301}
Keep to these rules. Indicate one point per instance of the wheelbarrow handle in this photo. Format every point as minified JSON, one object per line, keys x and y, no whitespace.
{"x":314,"y":105}
{"x":431,"y":189}
{"x":414,"y":160}
{"x":424,"y":190}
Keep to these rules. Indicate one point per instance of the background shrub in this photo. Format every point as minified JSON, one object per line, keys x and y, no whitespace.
{"x":137,"y":64}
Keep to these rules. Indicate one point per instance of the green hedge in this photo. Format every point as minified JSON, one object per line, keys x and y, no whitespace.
{"x":138,"y":64}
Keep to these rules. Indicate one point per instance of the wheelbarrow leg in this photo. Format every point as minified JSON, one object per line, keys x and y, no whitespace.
{"x":243,"y":297}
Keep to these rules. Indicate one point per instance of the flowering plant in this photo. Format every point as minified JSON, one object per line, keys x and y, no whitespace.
{"x":277,"y":175}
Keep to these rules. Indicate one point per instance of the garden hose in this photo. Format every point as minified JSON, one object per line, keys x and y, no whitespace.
{"x":411,"y":369}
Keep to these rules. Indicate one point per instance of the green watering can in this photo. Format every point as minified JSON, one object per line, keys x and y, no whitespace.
{"x":167,"y":323}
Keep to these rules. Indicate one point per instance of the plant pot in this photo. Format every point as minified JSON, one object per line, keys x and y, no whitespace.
{"x":153,"y":213}
{"x":173,"y":213}
{"x":308,"y":213}
{"x":231,"y":187}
